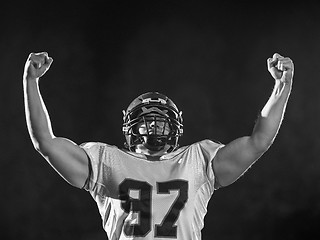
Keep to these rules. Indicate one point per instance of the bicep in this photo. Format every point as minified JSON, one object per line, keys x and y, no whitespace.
{"x":234,"y":159}
{"x":68,"y":159}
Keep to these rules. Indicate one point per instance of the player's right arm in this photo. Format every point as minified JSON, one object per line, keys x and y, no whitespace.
{"x":66,"y":157}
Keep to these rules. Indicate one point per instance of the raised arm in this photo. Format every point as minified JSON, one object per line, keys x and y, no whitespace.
{"x":66,"y":157}
{"x":237,"y":156}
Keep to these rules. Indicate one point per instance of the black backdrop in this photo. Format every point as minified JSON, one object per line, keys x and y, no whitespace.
{"x":209,"y":58}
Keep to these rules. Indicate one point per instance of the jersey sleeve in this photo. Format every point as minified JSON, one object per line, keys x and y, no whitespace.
{"x":94,"y":152}
{"x":209,"y":150}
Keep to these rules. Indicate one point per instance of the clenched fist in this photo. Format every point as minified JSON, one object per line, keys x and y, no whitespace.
{"x":281,"y":68}
{"x":37,"y":64}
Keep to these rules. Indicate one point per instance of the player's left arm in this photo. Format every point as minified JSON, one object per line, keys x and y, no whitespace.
{"x":236,"y":157}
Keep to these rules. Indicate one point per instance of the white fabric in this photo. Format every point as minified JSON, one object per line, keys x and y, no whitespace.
{"x":164,"y":199}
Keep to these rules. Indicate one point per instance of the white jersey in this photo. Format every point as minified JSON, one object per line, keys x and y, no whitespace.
{"x":142,"y":199}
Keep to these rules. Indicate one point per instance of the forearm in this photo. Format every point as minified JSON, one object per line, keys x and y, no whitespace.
{"x":237,"y":156}
{"x":37,"y":117}
{"x":268,"y":124}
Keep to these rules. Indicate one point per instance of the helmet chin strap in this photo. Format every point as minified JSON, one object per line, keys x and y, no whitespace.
{"x":154,"y":143}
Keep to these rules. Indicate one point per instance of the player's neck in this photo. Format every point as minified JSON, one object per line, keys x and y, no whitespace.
{"x":143,"y":150}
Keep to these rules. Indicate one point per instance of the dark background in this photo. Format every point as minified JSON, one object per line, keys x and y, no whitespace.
{"x":209,"y":57}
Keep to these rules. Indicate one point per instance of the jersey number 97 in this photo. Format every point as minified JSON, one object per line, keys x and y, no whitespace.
{"x":143,"y":206}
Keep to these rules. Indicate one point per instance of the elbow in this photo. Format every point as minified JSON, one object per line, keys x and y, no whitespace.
{"x":41,"y":141}
{"x":35,"y":143}
{"x":42,"y":146}
{"x":262,"y":144}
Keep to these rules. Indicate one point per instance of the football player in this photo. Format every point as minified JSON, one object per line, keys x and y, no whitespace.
{"x":153,"y":189}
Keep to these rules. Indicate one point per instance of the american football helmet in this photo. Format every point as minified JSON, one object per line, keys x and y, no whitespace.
{"x":152,"y":107}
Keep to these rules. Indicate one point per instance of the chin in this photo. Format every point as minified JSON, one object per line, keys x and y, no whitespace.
{"x":155,"y":148}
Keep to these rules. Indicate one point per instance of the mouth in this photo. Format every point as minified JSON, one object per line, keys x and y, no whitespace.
{"x":154,"y":143}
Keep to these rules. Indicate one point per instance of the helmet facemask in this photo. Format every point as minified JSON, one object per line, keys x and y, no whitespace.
{"x":153,"y":131}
